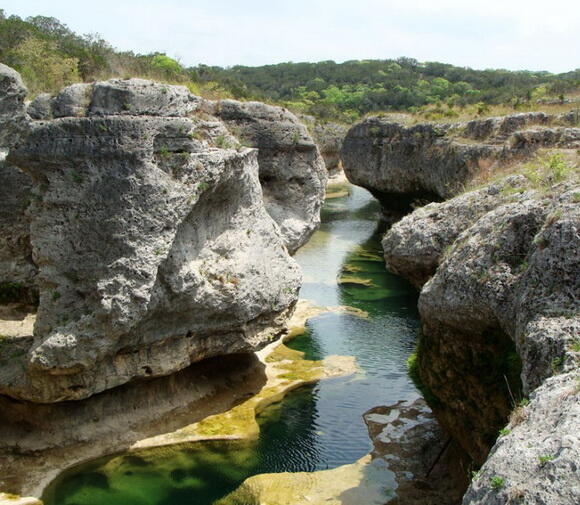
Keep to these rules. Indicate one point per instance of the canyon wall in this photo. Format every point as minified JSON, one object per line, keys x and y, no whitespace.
{"x":407,"y":166}
{"x":498,"y":268}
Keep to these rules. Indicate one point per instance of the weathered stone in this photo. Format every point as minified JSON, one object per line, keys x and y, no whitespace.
{"x":536,"y":462}
{"x":40,"y":440}
{"x":406,"y":166}
{"x":401,"y":165}
{"x":292,"y":172}
{"x":154,"y":252}
{"x":329,"y":137}
{"x":499,"y":128}
{"x":426,"y":462}
{"x":73,"y":101}
{"x":41,"y":106}
{"x":415,"y":245}
{"x":547,"y":137}
{"x":17,"y":270}
{"x":13,"y":118}
{"x":141,"y":97}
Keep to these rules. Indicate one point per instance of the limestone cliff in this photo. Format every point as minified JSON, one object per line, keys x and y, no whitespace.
{"x":17,"y":270}
{"x":500,"y":269}
{"x":405,"y":166}
{"x":152,"y":235}
{"x":499,"y":272}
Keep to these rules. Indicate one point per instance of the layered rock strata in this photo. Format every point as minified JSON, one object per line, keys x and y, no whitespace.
{"x":152,"y":235}
{"x":405,"y":166}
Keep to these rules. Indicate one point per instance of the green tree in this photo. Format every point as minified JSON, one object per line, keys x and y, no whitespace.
{"x":42,"y":67}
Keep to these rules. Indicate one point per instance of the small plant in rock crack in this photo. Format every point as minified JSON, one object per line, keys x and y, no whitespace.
{"x":222,"y":142}
{"x":504,"y":431}
{"x":497,"y":482}
{"x":545,"y":458}
{"x":557,"y":364}
{"x":203,"y":186}
{"x":475,"y":474}
{"x":164,"y":152}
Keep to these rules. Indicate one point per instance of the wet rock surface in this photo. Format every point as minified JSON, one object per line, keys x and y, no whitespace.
{"x":41,"y":440}
{"x":426,"y":462}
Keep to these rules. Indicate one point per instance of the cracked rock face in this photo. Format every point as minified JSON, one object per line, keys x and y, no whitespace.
{"x":537,"y":461}
{"x":154,"y":248}
{"x":292,"y":172}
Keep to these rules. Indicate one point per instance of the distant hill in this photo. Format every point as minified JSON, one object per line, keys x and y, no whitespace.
{"x":49,"y":55}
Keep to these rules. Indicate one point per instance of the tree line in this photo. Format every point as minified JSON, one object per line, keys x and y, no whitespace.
{"x":49,"y":56}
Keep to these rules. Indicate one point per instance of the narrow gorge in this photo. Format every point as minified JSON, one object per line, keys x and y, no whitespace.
{"x":198,"y":306}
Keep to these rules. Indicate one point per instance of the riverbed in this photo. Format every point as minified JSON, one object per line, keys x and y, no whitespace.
{"x":313,"y":428}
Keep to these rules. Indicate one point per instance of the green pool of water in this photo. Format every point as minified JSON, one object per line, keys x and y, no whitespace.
{"x":313,"y":428}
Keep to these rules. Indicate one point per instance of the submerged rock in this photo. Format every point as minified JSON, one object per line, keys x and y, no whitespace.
{"x":292,"y":172}
{"x":427,"y":463}
{"x":153,"y":244}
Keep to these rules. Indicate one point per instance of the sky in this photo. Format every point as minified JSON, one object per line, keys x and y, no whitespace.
{"x":512,"y":34}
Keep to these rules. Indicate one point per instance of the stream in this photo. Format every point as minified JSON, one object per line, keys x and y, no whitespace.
{"x":314,"y":427}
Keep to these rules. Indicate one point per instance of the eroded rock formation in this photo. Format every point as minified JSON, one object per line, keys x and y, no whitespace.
{"x":17,"y":270}
{"x":504,"y":262}
{"x":404,"y":166}
{"x":153,"y":238}
{"x":498,"y":268}
{"x":329,"y":137}
{"x":292,"y":171}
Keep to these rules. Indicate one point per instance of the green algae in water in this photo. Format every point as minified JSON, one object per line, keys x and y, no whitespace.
{"x":314,"y":427}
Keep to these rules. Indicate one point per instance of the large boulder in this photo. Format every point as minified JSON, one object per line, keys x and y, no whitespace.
{"x":154,"y":247}
{"x":329,"y":137}
{"x":13,"y":117}
{"x":292,"y":171}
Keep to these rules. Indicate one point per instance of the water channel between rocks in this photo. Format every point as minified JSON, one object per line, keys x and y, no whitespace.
{"x":313,"y":428}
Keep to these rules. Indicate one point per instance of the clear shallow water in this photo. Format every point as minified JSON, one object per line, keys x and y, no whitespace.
{"x":313,"y":428}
